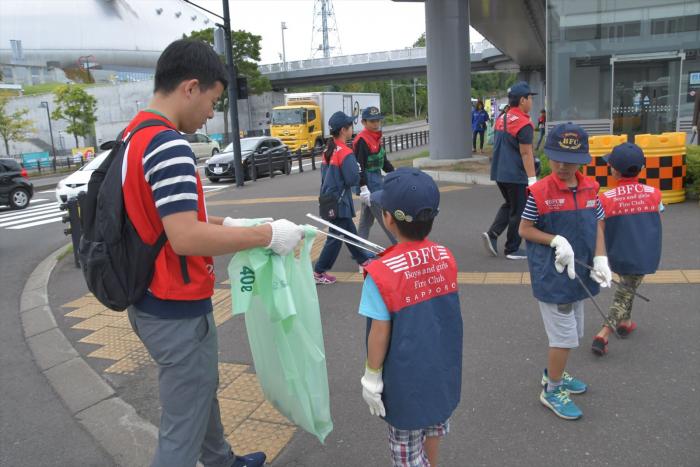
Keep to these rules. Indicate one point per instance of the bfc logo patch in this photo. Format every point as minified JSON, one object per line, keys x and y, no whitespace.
{"x":570,"y":141}
{"x":425,"y":273}
{"x":630,"y":199}
{"x":590,"y":203}
{"x":557,"y":203}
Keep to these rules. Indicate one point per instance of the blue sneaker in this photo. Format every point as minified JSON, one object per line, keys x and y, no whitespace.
{"x":571,"y":384}
{"x":254,"y":459}
{"x":520,"y":254}
{"x":490,"y":244}
{"x":560,"y":403}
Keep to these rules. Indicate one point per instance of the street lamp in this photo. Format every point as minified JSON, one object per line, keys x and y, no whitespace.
{"x":45,"y":104}
{"x":284,"y":54}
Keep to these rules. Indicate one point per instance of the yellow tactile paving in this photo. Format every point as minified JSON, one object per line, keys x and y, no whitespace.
{"x":234,"y":412}
{"x":82,"y":301}
{"x":116,"y":350}
{"x":253,"y":435}
{"x":229,"y":372}
{"x":96,"y":323}
{"x":692,"y":275}
{"x":503,"y":278}
{"x":666,"y":277}
{"x":244,"y":388}
{"x":105,"y":336}
{"x":267,"y":413}
{"x":87,"y":310}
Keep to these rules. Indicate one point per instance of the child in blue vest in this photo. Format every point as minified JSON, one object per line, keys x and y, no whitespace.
{"x":563,"y":221}
{"x":413,"y":372}
{"x":632,"y":237}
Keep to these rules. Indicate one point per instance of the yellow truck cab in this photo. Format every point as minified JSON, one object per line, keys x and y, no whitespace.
{"x":302,"y":122}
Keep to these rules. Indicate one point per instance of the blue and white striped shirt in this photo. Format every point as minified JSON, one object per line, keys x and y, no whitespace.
{"x":170,"y":168}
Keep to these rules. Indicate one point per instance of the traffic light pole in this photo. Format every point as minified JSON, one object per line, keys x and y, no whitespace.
{"x":232,"y":89}
{"x":233,"y":98}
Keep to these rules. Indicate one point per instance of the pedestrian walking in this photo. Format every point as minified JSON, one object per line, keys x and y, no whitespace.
{"x":480,"y":118}
{"x":563,"y":222}
{"x":371,"y":156}
{"x":339,"y":174}
{"x":632,"y":237}
{"x":413,"y":371}
{"x":513,"y":169}
{"x":541,"y":128}
{"x":163,"y":193}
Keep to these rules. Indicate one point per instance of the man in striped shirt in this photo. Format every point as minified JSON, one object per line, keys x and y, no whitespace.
{"x":163,"y":192}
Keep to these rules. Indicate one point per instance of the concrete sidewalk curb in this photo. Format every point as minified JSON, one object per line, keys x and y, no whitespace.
{"x":114,"y":424}
{"x":467,"y":178}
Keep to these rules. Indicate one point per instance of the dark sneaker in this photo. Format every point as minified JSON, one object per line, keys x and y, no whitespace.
{"x":324,"y":278}
{"x":599,"y":346}
{"x":520,"y":254}
{"x":254,"y":459}
{"x":490,"y":244}
{"x":560,"y":403}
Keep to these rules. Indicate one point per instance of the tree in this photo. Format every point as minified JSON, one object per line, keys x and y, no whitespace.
{"x":13,"y":127}
{"x":246,"y":54}
{"x":76,"y":106}
{"x":420,"y":42}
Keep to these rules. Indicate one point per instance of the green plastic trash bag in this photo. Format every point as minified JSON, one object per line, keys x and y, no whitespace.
{"x":283,"y":321}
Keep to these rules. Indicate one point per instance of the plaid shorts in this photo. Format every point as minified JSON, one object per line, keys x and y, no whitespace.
{"x":407,"y":445}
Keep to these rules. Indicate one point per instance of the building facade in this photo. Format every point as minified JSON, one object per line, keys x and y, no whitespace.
{"x":623,"y":66}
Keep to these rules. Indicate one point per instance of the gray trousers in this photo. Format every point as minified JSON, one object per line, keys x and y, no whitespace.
{"x":186,"y":351}
{"x":367,"y":216}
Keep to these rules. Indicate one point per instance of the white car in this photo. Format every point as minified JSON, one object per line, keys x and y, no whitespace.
{"x":202,"y":145}
{"x":77,"y":182}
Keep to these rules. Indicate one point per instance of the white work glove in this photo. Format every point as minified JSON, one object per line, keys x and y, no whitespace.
{"x":364,"y":195}
{"x":243,"y":222}
{"x":695,"y":128}
{"x":372,"y":387}
{"x":285,"y":236}
{"x":601,"y":272}
{"x":531,"y":181}
{"x":564,"y":256}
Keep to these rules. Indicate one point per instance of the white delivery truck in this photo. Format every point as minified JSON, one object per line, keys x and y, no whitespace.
{"x":302,"y":123}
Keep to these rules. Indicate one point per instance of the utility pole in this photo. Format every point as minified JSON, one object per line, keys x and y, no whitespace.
{"x":391,"y":85}
{"x":415,"y":105}
{"x":284,"y":53}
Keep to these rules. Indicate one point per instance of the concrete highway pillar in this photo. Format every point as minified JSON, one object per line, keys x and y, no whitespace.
{"x":449,"y":81}
{"x":536,"y":79}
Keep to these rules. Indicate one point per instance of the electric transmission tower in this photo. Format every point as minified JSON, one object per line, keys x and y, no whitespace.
{"x":326,"y":27}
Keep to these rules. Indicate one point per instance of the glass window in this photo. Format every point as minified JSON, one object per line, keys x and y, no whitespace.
{"x":288,"y":116}
{"x":202,"y":138}
{"x":190,"y":138}
{"x":312,"y":115}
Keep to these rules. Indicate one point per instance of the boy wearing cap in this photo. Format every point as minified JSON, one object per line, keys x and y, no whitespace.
{"x":563,"y":221}
{"x":632,"y":237}
{"x":512,"y":168}
{"x":413,"y":372}
{"x":371,"y":156}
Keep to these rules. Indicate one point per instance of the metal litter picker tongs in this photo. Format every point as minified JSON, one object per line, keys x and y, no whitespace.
{"x":364,"y":244}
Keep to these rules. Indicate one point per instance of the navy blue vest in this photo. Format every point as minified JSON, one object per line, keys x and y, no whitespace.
{"x":570,"y":214}
{"x":423,"y":366}
{"x":507,"y":164}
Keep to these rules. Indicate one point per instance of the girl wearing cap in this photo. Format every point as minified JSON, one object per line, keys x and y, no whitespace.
{"x":370,"y":153}
{"x":339,"y":173}
{"x":479,"y":120}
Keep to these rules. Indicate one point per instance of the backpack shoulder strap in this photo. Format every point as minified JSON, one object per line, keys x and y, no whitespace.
{"x":145,"y":124}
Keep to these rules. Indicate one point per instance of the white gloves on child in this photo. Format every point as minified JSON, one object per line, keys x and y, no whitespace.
{"x":285,"y":236}
{"x":364,"y":195}
{"x":372,"y":387}
{"x":243,"y":222}
{"x":563,"y":256}
{"x":601,"y":272}
{"x":531,"y":181}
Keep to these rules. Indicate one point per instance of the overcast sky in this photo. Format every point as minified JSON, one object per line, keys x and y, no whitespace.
{"x":363,"y":25}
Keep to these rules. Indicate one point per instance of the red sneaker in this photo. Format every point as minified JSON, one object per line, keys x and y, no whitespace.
{"x":624,"y":330}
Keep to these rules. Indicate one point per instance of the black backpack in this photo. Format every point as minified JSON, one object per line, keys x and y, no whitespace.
{"x":118,"y":266}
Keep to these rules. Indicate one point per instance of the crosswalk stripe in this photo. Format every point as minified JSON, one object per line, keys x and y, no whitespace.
{"x":32,"y":224}
{"x":35,"y":210}
{"x":40,"y":216}
{"x":48,"y":191}
{"x":31,"y":214}
{"x":38,"y":200}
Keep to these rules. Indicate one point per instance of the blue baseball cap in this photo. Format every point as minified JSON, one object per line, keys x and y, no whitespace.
{"x":409,"y":194}
{"x":520,"y":89}
{"x":340,"y":120}
{"x":626,"y":158}
{"x":568,"y":143}
{"x":372,"y":113}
